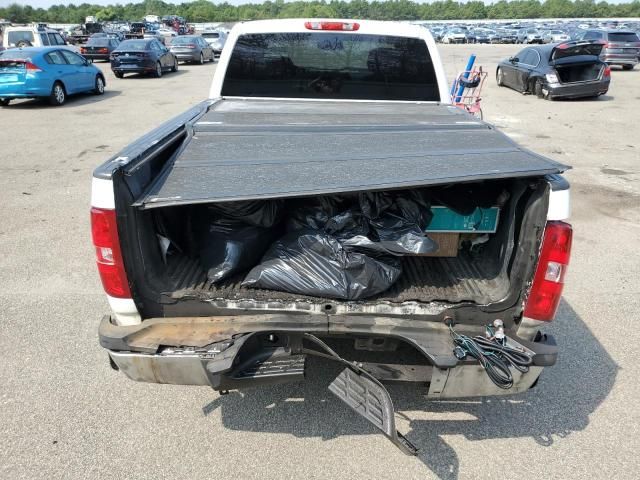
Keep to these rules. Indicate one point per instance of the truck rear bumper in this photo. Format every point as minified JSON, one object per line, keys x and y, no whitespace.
{"x":235,"y":352}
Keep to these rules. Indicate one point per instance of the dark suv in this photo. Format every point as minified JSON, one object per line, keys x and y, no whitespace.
{"x":621,"y":47}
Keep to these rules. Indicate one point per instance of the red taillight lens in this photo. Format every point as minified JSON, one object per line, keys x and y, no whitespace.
{"x":607,"y":71}
{"x":190,"y":46}
{"x":32,"y":67}
{"x":83,"y":50}
{"x":104,"y":50}
{"x":104,"y":231}
{"x":548,"y":281}
{"x":344,"y":26}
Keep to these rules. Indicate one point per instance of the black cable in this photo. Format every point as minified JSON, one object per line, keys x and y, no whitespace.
{"x":496,"y":358}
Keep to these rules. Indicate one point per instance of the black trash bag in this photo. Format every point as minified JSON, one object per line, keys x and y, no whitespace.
{"x":259,"y":213}
{"x":310,"y":262}
{"x":348,"y":224}
{"x":227,"y":248}
{"x":397,"y":221}
{"x":465,"y":198}
{"x":314,"y":213}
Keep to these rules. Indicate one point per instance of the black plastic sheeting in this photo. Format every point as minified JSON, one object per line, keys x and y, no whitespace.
{"x":384,"y":222}
{"x":313,"y":263}
{"x":233,"y":237}
{"x":346,"y":247}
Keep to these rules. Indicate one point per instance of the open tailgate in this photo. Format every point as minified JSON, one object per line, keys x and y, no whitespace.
{"x":259,"y":149}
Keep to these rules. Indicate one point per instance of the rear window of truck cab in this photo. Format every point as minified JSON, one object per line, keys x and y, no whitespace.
{"x":330,"y":65}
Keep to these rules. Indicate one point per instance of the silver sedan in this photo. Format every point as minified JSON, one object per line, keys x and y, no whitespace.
{"x":191,"y":48}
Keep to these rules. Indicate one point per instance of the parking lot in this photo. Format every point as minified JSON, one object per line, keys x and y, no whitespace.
{"x":66,"y":414}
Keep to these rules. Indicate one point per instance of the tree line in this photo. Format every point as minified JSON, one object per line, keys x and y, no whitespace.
{"x":206,"y":11}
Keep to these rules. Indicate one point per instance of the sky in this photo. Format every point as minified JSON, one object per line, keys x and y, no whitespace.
{"x":48,"y":3}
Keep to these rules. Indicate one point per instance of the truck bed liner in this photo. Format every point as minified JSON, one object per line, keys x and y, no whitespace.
{"x":423,"y":279}
{"x":259,"y":149}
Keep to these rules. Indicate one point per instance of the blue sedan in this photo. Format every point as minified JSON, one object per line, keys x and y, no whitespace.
{"x":46,"y":72}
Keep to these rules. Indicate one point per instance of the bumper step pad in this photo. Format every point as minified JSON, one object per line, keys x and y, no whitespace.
{"x":292,"y":366}
{"x":373,"y":402}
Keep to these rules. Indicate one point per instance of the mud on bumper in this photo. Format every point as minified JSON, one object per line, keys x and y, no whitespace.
{"x":235,"y":352}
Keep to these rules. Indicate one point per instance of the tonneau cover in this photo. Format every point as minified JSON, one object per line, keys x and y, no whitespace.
{"x":258,"y":149}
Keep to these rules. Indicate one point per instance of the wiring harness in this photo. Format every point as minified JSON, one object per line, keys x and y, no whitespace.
{"x":493,"y":354}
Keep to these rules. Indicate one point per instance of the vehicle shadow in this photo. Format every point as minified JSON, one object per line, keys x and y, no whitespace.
{"x":601,"y":98}
{"x":148,"y":76}
{"x":560,"y":404}
{"x":72,"y":100}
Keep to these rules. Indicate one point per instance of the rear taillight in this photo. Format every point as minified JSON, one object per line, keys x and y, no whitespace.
{"x":104,"y":50}
{"x":344,"y":26}
{"x":32,"y":67}
{"x":190,"y":46}
{"x":607,"y":71}
{"x":104,"y":231}
{"x":83,"y":50}
{"x":548,"y":281}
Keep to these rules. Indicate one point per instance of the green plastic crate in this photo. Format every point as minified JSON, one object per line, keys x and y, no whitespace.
{"x":482,"y":220}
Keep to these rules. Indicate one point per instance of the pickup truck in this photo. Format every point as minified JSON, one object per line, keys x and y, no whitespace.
{"x":300,"y":110}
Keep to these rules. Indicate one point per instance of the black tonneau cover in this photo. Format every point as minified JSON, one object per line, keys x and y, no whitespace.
{"x":258,"y":149}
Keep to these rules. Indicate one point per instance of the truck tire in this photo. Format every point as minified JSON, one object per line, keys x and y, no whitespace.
{"x":627,"y":67}
{"x":4,"y":102}
{"x":98,"y":88}
{"x":58,"y":95}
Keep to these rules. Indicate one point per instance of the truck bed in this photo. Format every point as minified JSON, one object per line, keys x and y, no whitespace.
{"x":453,"y":280}
{"x":259,"y":149}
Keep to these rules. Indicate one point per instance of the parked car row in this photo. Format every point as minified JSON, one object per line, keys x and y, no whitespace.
{"x":525,"y":32}
{"x":621,"y":42}
{"x":55,"y":72}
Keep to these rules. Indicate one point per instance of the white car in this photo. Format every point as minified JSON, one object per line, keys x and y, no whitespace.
{"x":455,"y":35}
{"x":167,"y":32}
{"x":556,"y":36}
{"x":215,"y":38}
{"x":31,"y":36}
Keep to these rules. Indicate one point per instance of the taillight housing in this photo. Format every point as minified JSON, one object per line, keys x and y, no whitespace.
{"x":607,"y":71}
{"x":104,"y":231}
{"x":32,"y":67}
{"x":340,"y":26}
{"x":548,"y":280}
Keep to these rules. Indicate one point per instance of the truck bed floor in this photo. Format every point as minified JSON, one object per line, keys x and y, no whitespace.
{"x":424,"y":279}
